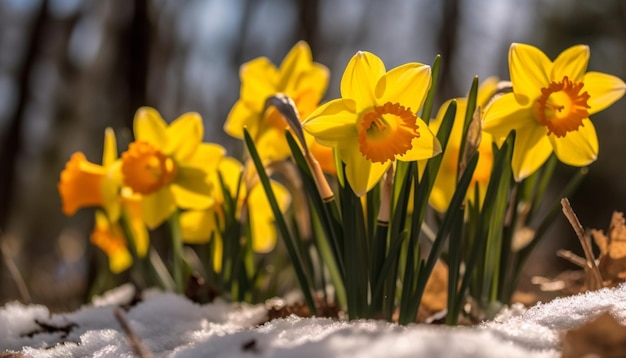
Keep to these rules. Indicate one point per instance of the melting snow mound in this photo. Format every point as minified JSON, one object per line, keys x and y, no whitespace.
{"x":168,"y":325}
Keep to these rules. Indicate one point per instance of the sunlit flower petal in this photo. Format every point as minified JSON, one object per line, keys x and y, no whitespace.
{"x":191,"y":191}
{"x":150,"y":127}
{"x":578,"y":148}
{"x":110,"y":239}
{"x":362,"y":174}
{"x":262,"y":220}
{"x":198,"y":225}
{"x":239,"y":117}
{"x":571,"y":63}
{"x":184,"y":136}
{"x":81,"y":184}
{"x":603,"y":89}
{"x":530,"y":139}
{"x":157,"y":207}
{"x":503,"y":116}
{"x":360,"y":78}
{"x":400,"y":85}
{"x":529,"y":69}
{"x":259,"y":79}
{"x":332,"y":123}
{"x":109,"y":152}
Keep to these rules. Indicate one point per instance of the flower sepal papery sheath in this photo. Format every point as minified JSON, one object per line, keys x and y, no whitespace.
{"x":169,"y":165}
{"x":550,"y":106}
{"x":374,"y":122}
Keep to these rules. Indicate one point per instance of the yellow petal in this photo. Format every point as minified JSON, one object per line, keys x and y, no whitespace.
{"x":191,"y":190}
{"x":184,"y":136}
{"x":332,"y":122}
{"x":206,"y":158}
{"x":109,"y":152}
{"x":571,"y":63}
{"x":231,"y":169}
{"x":531,"y":150}
{"x":259,"y":80}
{"x":603,"y":90}
{"x":149,"y":126}
{"x":423,"y":147}
{"x":577,"y":148}
{"x":111,"y":186}
{"x":443,"y":188}
{"x":157,"y":207}
{"x":406,"y":84}
{"x":81,"y":184}
{"x":361,"y":173}
{"x":261,"y":216}
{"x":360,"y":78}
{"x":110,"y":239}
{"x":297,"y":61}
{"x":197,"y":226}
{"x":272,"y":146}
{"x":505,"y":115}
{"x":529,"y":68}
{"x":310,"y":88}
{"x":241,"y":116}
{"x":218,"y":254}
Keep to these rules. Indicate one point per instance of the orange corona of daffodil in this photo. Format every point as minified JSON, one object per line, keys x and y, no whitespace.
{"x":298,"y":77}
{"x":197,"y":226}
{"x":85,"y":184}
{"x":550,"y":106}
{"x":375,"y":122}
{"x":445,"y":182}
{"x":168,"y":165}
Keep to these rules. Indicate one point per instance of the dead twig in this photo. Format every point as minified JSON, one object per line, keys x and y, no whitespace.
{"x":134,"y":341}
{"x":593,"y":279}
{"x":14,"y":271}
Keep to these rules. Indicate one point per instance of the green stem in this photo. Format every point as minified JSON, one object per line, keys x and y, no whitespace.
{"x":177,"y":252}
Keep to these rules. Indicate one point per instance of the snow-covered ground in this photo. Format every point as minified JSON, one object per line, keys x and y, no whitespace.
{"x":168,"y":325}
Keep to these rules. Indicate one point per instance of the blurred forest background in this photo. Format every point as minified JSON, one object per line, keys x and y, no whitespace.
{"x":70,"y":68}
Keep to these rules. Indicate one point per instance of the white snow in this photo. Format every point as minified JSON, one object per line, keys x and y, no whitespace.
{"x":169,"y":325}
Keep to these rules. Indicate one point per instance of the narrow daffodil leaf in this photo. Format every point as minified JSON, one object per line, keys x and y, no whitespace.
{"x":303,"y":280}
{"x":501,"y":171}
{"x":447,"y":225}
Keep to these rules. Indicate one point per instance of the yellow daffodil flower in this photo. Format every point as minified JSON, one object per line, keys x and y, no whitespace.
{"x":375,"y":122}
{"x":550,"y":107}
{"x":298,"y":77}
{"x":85,"y":184}
{"x":445,"y":182}
{"x":168,"y":165}
{"x":197,"y":226}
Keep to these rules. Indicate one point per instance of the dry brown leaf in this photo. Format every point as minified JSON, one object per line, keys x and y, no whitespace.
{"x":435,"y":297}
{"x":601,"y":337}
{"x":612,"y":261}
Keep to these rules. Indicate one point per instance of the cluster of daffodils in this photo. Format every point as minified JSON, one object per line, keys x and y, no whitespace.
{"x":356,"y":176}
